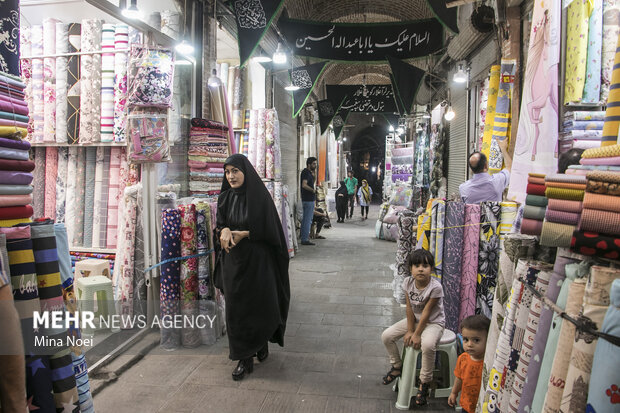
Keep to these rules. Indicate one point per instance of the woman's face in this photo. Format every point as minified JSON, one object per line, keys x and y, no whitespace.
{"x":234,"y":176}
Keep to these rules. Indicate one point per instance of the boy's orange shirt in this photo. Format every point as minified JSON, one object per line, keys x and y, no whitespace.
{"x":470,"y":373}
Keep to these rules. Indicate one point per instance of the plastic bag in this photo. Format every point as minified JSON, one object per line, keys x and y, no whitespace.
{"x":148,"y":138}
{"x":151,"y":73}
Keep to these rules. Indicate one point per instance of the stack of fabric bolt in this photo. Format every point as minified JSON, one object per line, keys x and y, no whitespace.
{"x":582,"y":129}
{"x":565,"y":193}
{"x":208,"y":149}
{"x":599,"y":226}
{"x":15,"y":166}
{"x":603,"y":156}
{"x":535,"y":205}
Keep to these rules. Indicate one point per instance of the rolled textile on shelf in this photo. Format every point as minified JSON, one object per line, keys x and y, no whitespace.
{"x":535,"y":180}
{"x":601,"y":202}
{"x":62,"y":47}
{"x":452,"y":266}
{"x":252,"y":147}
{"x":80,"y":191}
{"x":61,"y":183}
{"x":270,"y":167}
{"x":565,"y":205}
{"x":439,"y":213}
{"x":535,"y":189}
{"x":121,"y":44}
{"x":531,"y":226}
{"x":15,"y":200}
{"x":107,"y":82}
{"x":553,"y":179}
{"x":14,"y":222}
{"x":536,"y":200}
{"x":494,"y":81}
{"x":116,"y":155}
{"x":567,"y":185}
{"x":564,"y":193}
{"x":424,"y":231}
{"x":592,"y":134}
{"x":605,"y":222}
{"x":25,"y":35}
{"x":98,"y":213}
{"x":503,"y":114}
{"x":190,"y":337}
{"x":73,"y":83}
{"x":533,"y":212}
{"x":101,"y":239}
{"x":89,"y":194}
{"x":583,"y":125}
{"x":584,"y":115}
{"x":16,"y":154}
{"x":16,"y":212}
{"x":124,"y":263}
{"x":51,"y":171}
{"x":469,"y":264}
{"x":612,"y":114}
{"x":90,"y":82}
{"x":170,"y":275}
{"x":606,"y":176}
{"x":71,"y":192}
{"x":602,"y":152}
{"x":49,"y":79}
{"x":562,"y":217}
{"x":586,"y":144}
{"x":556,"y":235}
{"x":15,"y":189}
{"x":15,"y":178}
{"x":614,"y":160}
{"x":592,"y":243}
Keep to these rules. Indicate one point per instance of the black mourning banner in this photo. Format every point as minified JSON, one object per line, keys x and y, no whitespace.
{"x":253,"y":19}
{"x":363,"y":42}
{"x":407,"y":80}
{"x":360,"y":98}
{"x":447,"y":16}
{"x":339,"y":121}
{"x":326,"y":113}
{"x":305,"y":78}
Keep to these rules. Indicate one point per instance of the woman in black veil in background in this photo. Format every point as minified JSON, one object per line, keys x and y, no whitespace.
{"x":252,"y":268}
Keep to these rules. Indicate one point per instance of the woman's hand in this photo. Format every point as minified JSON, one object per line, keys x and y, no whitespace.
{"x":239,"y":235}
{"x":226,"y":239}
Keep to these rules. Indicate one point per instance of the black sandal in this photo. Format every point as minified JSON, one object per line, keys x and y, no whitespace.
{"x":390,"y":377}
{"x":420,"y":398}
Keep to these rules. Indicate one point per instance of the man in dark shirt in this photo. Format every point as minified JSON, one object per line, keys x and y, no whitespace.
{"x":307,"y":199}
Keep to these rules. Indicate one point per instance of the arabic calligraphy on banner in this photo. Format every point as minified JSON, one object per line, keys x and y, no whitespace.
{"x":360,"y":98}
{"x":363,"y":42}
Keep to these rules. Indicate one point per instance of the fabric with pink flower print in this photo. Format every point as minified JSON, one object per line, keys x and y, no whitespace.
{"x":190,"y":337}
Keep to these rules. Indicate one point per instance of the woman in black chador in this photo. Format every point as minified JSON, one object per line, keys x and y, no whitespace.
{"x":252,"y":270}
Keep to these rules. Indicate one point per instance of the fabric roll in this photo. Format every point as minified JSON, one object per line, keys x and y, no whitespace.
{"x":614,"y":160}
{"x":190,"y":337}
{"x":612,"y":114}
{"x":567,"y":185}
{"x":452,"y":266}
{"x":101,"y":239}
{"x":62,"y":46}
{"x":405,"y":246}
{"x":15,"y":200}
{"x":61,"y":183}
{"x":601,"y":202}
{"x":535,"y":180}
{"x":73,"y":83}
{"x":536,"y":200}
{"x":170,"y":275}
{"x":16,"y":154}
{"x":552,"y":179}
{"x":494,"y":82}
{"x":606,"y":176}
{"x":556,"y":235}
{"x":98,"y":213}
{"x":107,"y":82}
{"x":583,"y":125}
{"x":38,"y":201}
{"x":71,"y":192}
{"x":605,"y":222}
{"x":113,"y":197}
{"x":16,"y":165}
{"x":507,"y":218}
{"x":592,"y":243}
{"x":253,"y":144}
{"x":562,"y":217}
{"x":530,"y":332}
{"x":565,"y":343}
{"x":605,"y":361}
{"x":49,"y":80}
{"x":592,"y":134}
{"x":592,"y":86}
{"x":80,"y":194}
{"x":260,"y":143}
{"x":15,"y":189}
{"x":564,"y":193}
{"x":16,"y":212}
{"x":125,"y":258}
{"x":203,"y":228}
{"x":602,"y":187}
{"x":26,"y":75}
{"x":576,"y":50}
{"x":503,"y":114}
{"x":270,"y":167}
{"x":533,"y":212}
{"x":611,"y":30}
{"x":596,"y":301}
{"x":15,"y":178}
{"x":90,"y":82}
{"x":490,"y":213}
{"x":424,"y":231}
{"x":51,"y":172}
{"x":89,"y":194}
{"x":121,"y":44}
{"x":536,"y":189}
{"x":565,"y":205}
{"x":439,"y":213}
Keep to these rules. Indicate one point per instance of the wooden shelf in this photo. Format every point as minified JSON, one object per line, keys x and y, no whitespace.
{"x":93,"y":250}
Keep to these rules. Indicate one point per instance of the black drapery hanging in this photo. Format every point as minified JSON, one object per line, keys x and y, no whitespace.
{"x":397,"y":100}
{"x":407,"y":79}
{"x":339,"y":121}
{"x":305,"y":78}
{"x":253,"y":19}
{"x":448,"y":16}
{"x":326,"y":113}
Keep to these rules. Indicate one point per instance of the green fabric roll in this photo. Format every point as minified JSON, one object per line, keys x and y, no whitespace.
{"x":564,"y":193}
{"x":534,"y":212}
{"x":536,"y":200}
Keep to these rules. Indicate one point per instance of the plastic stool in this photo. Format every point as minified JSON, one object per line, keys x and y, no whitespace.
{"x":91,"y":267}
{"x":86,"y":288}
{"x":406,"y":382}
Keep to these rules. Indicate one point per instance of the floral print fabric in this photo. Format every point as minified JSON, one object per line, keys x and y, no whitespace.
{"x":90,"y":82}
{"x":121,"y":42}
{"x":151,"y":74}
{"x":190,"y":337}
{"x":490,"y":216}
{"x":170,"y":274}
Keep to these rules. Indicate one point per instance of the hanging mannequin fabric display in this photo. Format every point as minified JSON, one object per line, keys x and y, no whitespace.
{"x":536,"y":143}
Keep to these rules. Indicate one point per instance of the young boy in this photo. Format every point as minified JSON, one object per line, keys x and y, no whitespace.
{"x":468,"y":370}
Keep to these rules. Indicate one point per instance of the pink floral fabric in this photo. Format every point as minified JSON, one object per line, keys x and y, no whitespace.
{"x":190,"y":337}
{"x":49,"y":80}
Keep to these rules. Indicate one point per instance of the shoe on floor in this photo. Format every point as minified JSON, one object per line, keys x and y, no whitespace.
{"x":307,"y":243}
{"x":319,"y":237}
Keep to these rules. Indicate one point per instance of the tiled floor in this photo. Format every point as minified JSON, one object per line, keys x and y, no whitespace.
{"x":333,"y":358}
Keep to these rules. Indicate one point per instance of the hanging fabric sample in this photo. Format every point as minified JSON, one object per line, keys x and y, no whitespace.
{"x":493,"y":91}
{"x":611,"y":30}
{"x":62,"y":47}
{"x":592,"y":87}
{"x":490,"y":216}
{"x":452,"y":255}
{"x":469,"y":265}
{"x":503,"y":112}
{"x":578,"y":15}
{"x":535,"y":147}
{"x":107,"y":82}
{"x":90,"y":82}
{"x":121,"y":44}
{"x":73,"y":83}
{"x":49,"y":80}
{"x":170,"y":275}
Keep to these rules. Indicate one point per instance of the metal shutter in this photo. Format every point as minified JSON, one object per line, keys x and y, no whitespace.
{"x":457,"y":147}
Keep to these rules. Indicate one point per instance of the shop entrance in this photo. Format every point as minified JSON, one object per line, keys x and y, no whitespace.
{"x":367,"y":157}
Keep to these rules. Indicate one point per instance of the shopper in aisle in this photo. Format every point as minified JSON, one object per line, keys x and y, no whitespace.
{"x":468,"y":370}
{"x":252,"y":268}
{"x":365,"y":197}
{"x":308,"y":197}
{"x":342,"y":196}
{"x":320,"y":219}
{"x":569,"y":158}
{"x":351,"y":183}
{"x":423,"y":327}
{"x":483,"y":186}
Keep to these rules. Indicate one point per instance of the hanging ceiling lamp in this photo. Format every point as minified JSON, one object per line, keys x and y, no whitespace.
{"x":449,"y":114}
{"x":261,"y":57}
{"x":185,"y":47}
{"x":132,"y":11}
{"x":213,"y":80}
{"x":279,"y":57}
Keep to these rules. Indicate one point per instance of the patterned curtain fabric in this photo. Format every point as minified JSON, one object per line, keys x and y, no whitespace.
{"x":9,"y":47}
{"x":73,"y":83}
{"x":89,"y":194}
{"x":405,"y":245}
{"x":90,"y":82}
{"x":100,"y":239}
{"x":62,"y":46}
{"x":578,"y":16}
{"x":98,"y":213}
{"x":61,"y":183}
{"x":80,"y":193}
{"x":437,"y":234}
{"x":494,"y":79}
{"x":611,"y":30}
{"x":121,"y":42}
{"x":170,"y":275}
{"x":123,"y":273}
{"x":190,"y":337}
{"x":71,"y":192}
{"x":116,"y":155}
{"x":490,"y":216}
{"x":469,"y":264}
{"x":38,"y":183}
{"x":453,"y":255}
{"x":592,"y":87}
{"x":49,"y":80}
{"x":51,"y":171}
{"x":107,"y":82}
{"x":556,"y":235}
{"x":38,"y":113}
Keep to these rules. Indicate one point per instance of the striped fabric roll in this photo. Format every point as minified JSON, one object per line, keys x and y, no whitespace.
{"x":612,"y":115}
{"x":503,"y":111}
{"x":121,"y":42}
{"x":107,"y":83}
{"x":490,"y":115}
